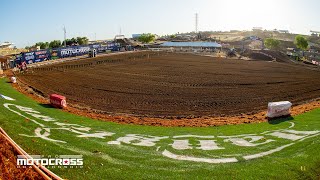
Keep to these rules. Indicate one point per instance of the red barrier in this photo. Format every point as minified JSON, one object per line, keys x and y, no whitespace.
{"x":58,"y":101}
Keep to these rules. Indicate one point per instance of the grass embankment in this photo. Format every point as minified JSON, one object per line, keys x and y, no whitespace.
{"x":131,"y":161}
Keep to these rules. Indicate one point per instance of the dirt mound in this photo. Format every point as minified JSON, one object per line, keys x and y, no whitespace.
{"x":260,"y":56}
{"x":267,"y":55}
{"x":279,"y":56}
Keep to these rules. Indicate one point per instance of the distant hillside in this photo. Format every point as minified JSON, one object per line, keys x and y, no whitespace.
{"x":239,"y":35}
{"x":286,"y":39}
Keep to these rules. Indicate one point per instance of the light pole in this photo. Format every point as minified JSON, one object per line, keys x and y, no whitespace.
{"x":65,"y":35}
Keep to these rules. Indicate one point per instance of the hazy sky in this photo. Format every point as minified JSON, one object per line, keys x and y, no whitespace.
{"x":25,"y":22}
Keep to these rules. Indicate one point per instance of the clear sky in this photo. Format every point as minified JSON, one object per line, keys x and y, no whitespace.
{"x":25,"y":22}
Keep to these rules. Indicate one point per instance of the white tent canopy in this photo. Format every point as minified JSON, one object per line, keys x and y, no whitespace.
{"x":192,"y":44}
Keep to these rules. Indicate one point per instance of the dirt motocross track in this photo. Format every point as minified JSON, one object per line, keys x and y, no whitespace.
{"x":175,"y":85}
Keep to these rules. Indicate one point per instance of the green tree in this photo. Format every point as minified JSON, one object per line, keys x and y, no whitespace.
{"x":38,"y":44}
{"x":43,"y":45}
{"x":271,"y":43}
{"x":74,"y":41}
{"x":68,"y":42}
{"x":77,"y":41}
{"x":46,"y":45}
{"x":82,"y":40}
{"x":55,"y":44}
{"x":301,"y":42}
{"x":147,"y":38}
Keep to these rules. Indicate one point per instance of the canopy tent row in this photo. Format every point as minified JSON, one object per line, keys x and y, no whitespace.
{"x":192,"y":44}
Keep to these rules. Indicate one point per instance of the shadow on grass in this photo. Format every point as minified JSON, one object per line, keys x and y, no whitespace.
{"x":275,"y":121}
{"x":48,"y":106}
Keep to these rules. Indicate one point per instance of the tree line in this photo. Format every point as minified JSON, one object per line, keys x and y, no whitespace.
{"x":300,"y":42}
{"x":58,"y":43}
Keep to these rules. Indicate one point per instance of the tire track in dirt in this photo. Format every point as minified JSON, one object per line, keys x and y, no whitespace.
{"x":175,"y":84}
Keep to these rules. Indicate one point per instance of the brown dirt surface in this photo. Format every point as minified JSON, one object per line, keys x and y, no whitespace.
{"x":176,"y":89}
{"x":8,"y":164}
{"x":180,"y":122}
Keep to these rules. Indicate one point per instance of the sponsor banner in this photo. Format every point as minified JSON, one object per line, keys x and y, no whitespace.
{"x":35,"y":56}
{"x":103,"y":48}
{"x":18,"y":59}
{"x":42,"y":55}
{"x":72,"y":51}
{"x":54,"y":54}
{"x":113,"y":46}
{"x":98,"y":47}
{"x":28,"y":57}
{"x":95,"y":46}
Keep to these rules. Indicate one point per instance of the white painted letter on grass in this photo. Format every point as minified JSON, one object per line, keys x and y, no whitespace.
{"x":138,"y":140}
{"x":244,"y":141}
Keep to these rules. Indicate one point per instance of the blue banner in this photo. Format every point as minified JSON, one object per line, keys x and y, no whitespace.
{"x":18,"y":59}
{"x":71,"y":51}
{"x":41,"y":56}
{"x":35,"y":56}
{"x":28,"y":57}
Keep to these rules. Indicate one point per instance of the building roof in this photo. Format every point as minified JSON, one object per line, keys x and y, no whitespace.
{"x":283,"y":31}
{"x":6,"y":44}
{"x":191,"y":44}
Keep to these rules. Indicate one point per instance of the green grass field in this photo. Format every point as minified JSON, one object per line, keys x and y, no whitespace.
{"x":114,"y":151}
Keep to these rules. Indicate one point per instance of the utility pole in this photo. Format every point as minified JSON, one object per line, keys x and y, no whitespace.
{"x":65,"y":35}
{"x":196,"y":23}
